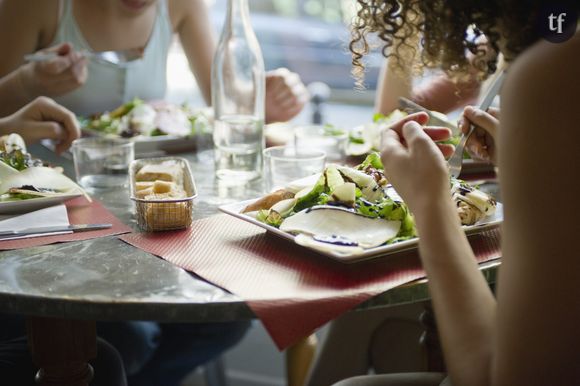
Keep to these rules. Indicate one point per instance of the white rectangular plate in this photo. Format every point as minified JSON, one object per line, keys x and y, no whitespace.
{"x":23,"y":206}
{"x":154,"y":146}
{"x":487,"y":223}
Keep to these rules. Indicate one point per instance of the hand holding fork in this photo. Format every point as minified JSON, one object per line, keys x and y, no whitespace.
{"x":456,"y":161}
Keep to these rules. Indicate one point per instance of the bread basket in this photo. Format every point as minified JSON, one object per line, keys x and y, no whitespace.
{"x":165,"y":214}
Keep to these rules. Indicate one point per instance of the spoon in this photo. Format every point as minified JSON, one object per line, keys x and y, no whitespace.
{"x":115,"y":57}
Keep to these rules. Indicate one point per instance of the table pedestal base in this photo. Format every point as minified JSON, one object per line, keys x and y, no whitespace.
{"x":62,"y":349}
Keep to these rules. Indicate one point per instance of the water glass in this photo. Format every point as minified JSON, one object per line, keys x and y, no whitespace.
{"x":102,"y":162}
{"x":239,"y":141}
{"x":285,"y":164}
{"x":328,"y":139}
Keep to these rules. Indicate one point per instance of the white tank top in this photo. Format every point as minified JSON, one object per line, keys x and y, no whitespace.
{"x":108,"y":85}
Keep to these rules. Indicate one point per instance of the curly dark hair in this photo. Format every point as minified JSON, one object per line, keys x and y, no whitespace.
{"x":449,"y":30}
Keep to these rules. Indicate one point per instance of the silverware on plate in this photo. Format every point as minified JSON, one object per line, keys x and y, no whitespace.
{"x":456,"y":161}
{"x":54,"y":229}
{"x":114,"y":57}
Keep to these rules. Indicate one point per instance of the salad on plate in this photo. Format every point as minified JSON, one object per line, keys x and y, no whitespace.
{"x":141,"y":119}
{"x":347,"y":211}
{"x":25,"y":178}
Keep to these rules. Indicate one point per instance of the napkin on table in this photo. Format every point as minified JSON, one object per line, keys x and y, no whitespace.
{"x":46,"y":217}
{"x":79,"y":211}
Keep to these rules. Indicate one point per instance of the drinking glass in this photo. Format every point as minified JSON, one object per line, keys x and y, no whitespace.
{"x":330,"y":140}
{"x":283,"y":164}
{"x":102,"y":162}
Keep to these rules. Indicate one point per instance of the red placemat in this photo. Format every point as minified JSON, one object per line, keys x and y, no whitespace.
{"x":80,"y":211}
{"x":291,"y":289}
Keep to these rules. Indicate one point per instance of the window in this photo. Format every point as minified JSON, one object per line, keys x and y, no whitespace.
{"x":309,"y":37}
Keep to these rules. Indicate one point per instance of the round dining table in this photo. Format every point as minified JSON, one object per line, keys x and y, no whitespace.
{"x":63,"y":288}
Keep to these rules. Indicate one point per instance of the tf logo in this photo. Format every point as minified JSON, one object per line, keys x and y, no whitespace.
{"x":557,"y":22}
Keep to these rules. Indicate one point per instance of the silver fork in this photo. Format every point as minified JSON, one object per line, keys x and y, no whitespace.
{"x":456,"y":161}
{"x":115,"y":57}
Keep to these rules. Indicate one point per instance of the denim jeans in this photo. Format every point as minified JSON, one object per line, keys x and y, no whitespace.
{"x":162,"y":354}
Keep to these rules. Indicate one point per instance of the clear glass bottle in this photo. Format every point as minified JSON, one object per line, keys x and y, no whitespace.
{"x":238,"y":79}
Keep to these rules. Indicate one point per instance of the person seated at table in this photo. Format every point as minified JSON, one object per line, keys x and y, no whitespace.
{"x":528,"y":335}
{"x":160,"y":354}
{"x":87,"y":86}
{"x":356,"y":335}
{"x":41,"y":119}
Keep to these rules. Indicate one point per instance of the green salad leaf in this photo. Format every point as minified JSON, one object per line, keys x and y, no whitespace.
{"x":372,"y":160}
{"x":333,"y":131}
{"x":19,"y":159}
{"x":16,"y":197}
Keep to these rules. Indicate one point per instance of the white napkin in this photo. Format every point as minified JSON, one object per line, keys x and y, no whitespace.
{"x":46,"y":217}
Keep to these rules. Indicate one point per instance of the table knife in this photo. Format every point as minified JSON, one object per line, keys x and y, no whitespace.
{"x":53,"y":229}
{"x":405,"y":103}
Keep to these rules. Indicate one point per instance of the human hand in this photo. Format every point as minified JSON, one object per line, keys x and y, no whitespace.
{"x":481,"y":145}
{"x":286,"y":95}
{"x":55,"y":77}
{"x":43,"y":118}
{"x":414,"y":163}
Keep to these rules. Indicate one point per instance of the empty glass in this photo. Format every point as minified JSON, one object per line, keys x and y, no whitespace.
{"x":284,"y":164}
{"x":102,"y":162}
{"x":331,"y":140}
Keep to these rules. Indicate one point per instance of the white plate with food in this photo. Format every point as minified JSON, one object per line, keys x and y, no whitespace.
{"x":32,"y":204}
{"x":353,"y":214}
{"x":27,"y":185}
{"x":156,"y":127}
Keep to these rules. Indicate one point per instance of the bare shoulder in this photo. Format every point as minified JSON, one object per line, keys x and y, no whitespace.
{"x":40,"y":16}
{"x":556,"y":66}
{"x":25,"y":26}
{"x":180,"y":11}
{"x":542,"y":88}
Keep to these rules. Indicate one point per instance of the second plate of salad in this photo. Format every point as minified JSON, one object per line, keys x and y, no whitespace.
{"x":157,"y":127}
{"x":353,"y":214}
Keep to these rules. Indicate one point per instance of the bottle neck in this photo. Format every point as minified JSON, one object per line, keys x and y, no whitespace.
{"x":238,"y":15}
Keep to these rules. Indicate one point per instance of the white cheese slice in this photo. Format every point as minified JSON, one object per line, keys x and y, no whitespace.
{"x":328,"y":221}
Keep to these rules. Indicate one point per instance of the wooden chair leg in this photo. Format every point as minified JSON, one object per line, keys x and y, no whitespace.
{"x":62,"y":349}
{"x":299,"y":359}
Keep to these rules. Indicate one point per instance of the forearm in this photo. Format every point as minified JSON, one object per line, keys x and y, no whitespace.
{"x":444,"y":95}
{"x":464,"y":305}
{"x":195,"y":34}
{"x":396,"y":78}
{"x":13,"y":93}
{"x":394,"y":82}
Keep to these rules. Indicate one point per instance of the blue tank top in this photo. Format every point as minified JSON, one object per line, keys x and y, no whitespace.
{"x":108,"y":85}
